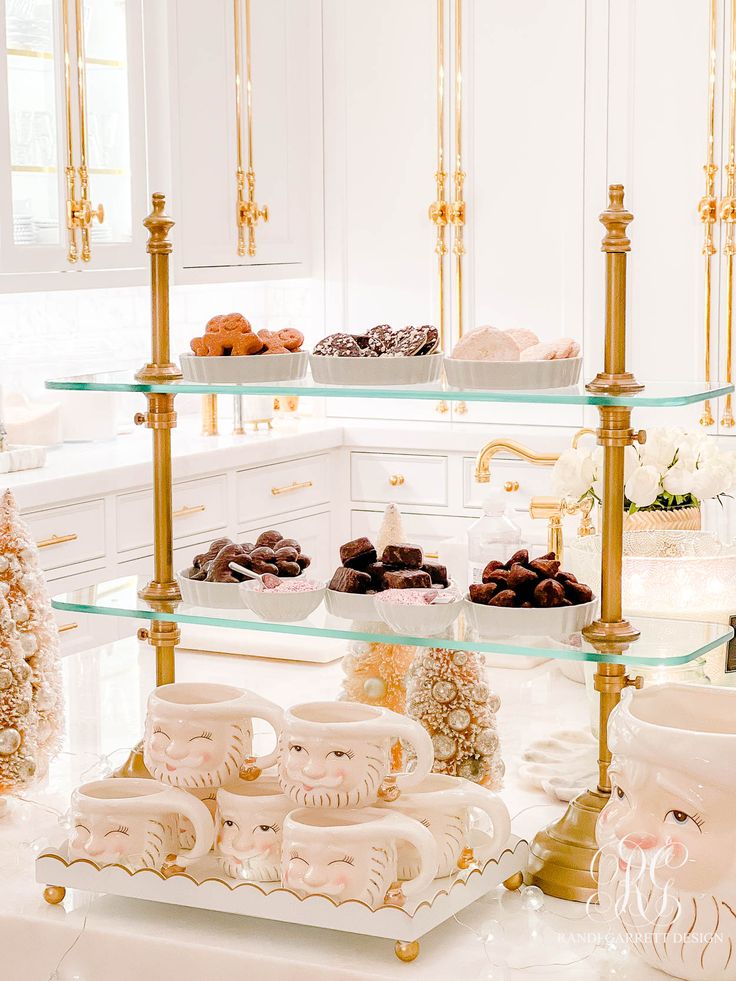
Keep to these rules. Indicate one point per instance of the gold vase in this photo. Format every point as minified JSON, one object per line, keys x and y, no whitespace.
{"x":677,"y":519}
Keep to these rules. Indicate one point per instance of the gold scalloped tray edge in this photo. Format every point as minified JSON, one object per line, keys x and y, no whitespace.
{"x":426,"y":904}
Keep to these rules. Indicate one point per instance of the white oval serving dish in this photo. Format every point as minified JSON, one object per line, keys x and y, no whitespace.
{"x":270,"y":605}
{"x":351,"y":606}
{"x":428,"y":620}
{"x":245,"y":369}
{"x":507,"y":621}
{"x":512,"y":375}
{"x":216,"y":595}
{"x":329,"y":370}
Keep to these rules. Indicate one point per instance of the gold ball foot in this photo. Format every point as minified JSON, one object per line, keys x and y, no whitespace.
{"x":389,"y":791}
{"x":54,"y":895}
{"x":171,"y":869}
{"x":514,"y":882}
{"x":250,"y":771}
{"x":407,"y":951}
{"x":466,"y":858}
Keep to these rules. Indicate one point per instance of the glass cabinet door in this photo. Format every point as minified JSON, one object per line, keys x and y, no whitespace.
{"x":39,"y":105}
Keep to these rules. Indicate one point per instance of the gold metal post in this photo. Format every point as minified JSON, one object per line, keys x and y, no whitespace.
{"x":438,"y":208}
{"x":457,"y":208}
{"x":209,"y":415}
{"x":248,"y":213}
{"x":707,"y":205}
{"x":728,"y":217}
{"x":563,"y":855}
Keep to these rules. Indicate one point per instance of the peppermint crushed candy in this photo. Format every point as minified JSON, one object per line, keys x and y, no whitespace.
{"x":272,"y":584}
{"x":419,"y":597}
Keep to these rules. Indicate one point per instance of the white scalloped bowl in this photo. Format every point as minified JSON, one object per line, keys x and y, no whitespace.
{"x":329,"y":370}
{"x":512,"y":375}
{"x":509,"y":621}
{"x":428,"y":620}
{"x":215,"y":595}
{"x":275,"y":607}
{"x":351,"y":606}
{"x":244,"y":369}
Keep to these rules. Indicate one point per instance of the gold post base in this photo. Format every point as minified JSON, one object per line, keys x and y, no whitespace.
{"x":161,"y":591}
{"x":621,"y":383}
{"x":54,"y":895}
{"x":134,"y":765}
{"x":620,"y":632}
{"x":563,"y":855}
{"x":159,"y":374}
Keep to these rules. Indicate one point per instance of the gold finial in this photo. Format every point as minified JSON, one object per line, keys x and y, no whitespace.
{"x":616,"y":219}
{"x":159,"y":225}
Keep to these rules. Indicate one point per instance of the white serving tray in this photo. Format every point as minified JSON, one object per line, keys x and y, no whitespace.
{"x":205,"y":887}
{"x":512,"y":375}
{"x":330,"y":370}
{"x":244,"y":370}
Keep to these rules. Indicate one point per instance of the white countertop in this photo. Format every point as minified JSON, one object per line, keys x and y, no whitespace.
{"x":118,"y":939}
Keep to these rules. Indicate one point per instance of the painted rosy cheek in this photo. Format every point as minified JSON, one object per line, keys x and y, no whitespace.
{"x":159,"y":742}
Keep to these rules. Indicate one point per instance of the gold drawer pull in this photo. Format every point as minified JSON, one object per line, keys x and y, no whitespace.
{"x":56,"y":540}
{"x":185,"y":511}
{"x":68,"y":626}
{"x":511,"y":486}
{"x":431,"y":555}
{"x":297,"y":485}
{"x":396,"y":480}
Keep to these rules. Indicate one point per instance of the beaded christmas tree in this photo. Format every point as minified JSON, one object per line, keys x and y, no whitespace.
{"x":23,"y":587}
{"x":447,"y":692}
{"x":18,"y":717}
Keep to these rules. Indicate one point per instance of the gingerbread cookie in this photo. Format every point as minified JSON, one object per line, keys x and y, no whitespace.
{"x":228,"y":323}
{"x":246,"y":344}
{"x":290,"y":338}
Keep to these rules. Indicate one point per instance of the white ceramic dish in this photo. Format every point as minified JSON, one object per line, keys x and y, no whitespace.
{"x":351,"y":606}
{"x":512,"y":375}
{"x":328,"y":370}
{"x":508,"y":621}
{"x":216,"y":595}
{"x":428,"y":620}
{"x":275,"y":607}
{"x":256,"y":368}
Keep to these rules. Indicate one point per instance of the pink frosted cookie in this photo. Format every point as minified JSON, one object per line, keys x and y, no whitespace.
{"x":565,"y":347}
{"x":524,"y":338}
{"x":486,"y":344}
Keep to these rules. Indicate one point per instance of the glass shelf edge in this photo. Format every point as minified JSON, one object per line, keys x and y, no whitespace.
{"x":330,"y":633}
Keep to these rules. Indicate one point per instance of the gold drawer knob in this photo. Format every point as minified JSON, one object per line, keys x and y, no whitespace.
{"x":461,"y":409}
{"x":185,"y":511}
{"x":396,"y":480}
{"x":511,"y":485}
{"x":56,"y":540}
{"x":68,"y":626}
{"x":297,"y":485}
{"x":442,"y":408}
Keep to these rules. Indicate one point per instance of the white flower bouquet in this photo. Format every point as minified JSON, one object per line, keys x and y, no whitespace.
{"x":673,"y":469}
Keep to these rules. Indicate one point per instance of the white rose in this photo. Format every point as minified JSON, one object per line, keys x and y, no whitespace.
{"x":660,"y":449}
{"x":573,"y":473}
{"x":678,"y":480}
{"x":690,"y":448}
{"x":642,"y":487}
{"x":711,"y":479}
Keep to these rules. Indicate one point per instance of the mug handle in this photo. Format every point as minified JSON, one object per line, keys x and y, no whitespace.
{"x":408,"y":829}
{"x":274,"y":716}
{"x":204,"y":829}
{"x":492,"y":805}
{"x":415,"y":734}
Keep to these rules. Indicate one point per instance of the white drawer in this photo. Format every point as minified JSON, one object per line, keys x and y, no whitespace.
{"x":282,"y":488}
{"x":428,"y":530}
{"x":523,"y":481}
{"x":312,"y":533}
{"x":199,"y":506}
{"x":69,"y":535}
{"x":399,"y":478}
{"x":183,"y":556}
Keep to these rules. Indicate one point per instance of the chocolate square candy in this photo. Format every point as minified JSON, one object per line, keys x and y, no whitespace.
{"x":376,"y":570}
{"x":437,"y":573}
{"x":347,"y":580}
{"x":407,"y":579}
{"x":407,"y":556}
{"x":358,"y":554}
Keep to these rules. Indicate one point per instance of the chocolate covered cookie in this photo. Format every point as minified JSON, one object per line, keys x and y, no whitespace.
{"x":269,"y":538}
{"x":405,"y":556}
{"x":358,"y":554}
{"x":381,"y":338}
{"x":482,"y":592}
{"x":433,"y":341}
{"x":437,"y":573}
{"x":347,"y":580}
{"x":407,"y":579}
{"x":338,"y":346}
{"x":200,"y":560}
{"x":407,"y":342}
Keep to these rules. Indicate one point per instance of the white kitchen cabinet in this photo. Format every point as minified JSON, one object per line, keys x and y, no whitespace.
{"x":35,"y":115}
{"x":286,"y":61}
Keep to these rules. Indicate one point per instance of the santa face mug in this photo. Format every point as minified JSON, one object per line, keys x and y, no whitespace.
{"x":249,"y":827}
{"x":444,"y":804}
{"x":338,"y":754}
{"x":135,"y":822}
{"x":200,"y":735}
{"x":348,"y":855}
{"x":668,"y":847}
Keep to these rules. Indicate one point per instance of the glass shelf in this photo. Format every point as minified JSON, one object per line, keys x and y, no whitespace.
{"x":655,"y":394}
{"x":662,"y":642}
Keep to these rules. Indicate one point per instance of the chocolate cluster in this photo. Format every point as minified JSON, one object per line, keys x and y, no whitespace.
{"x":271,"y":553}
{"x":400,"y":567}
{"x":529,"y":583}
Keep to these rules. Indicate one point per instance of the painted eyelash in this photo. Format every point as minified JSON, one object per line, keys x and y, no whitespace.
{"x":122,"y":830}
{"x":347,"y":859}
{"x":202,"y":735}
{"x":295,"y":855}
{"x":698,"y":819}
{"x":159,"y":729}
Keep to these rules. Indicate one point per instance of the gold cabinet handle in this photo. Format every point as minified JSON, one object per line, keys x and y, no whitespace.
{"x":68,"y":626}
{"x":431,"y":555}
{"x":297,"y":485}
{"x":511,"y":485}
{"x":185,"y":511}
{"x":397,"y":480}
{"x":56,"y":540}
